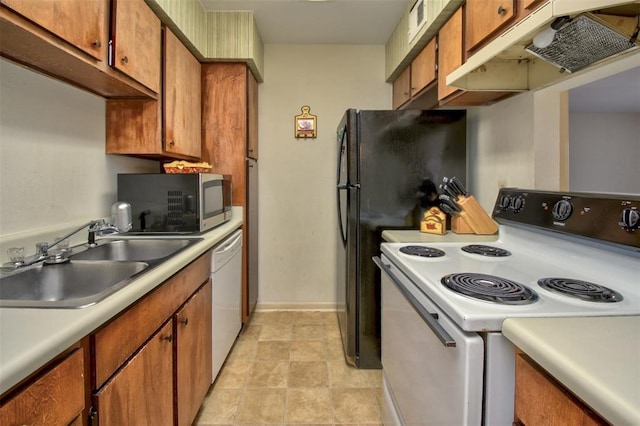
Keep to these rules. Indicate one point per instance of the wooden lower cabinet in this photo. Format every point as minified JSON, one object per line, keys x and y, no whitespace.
{"x":151,"y":365}
{"x":56,"y":396}
{"x":141,"y":392}
{"x":542,"y":401}
{"x":193,"y":354}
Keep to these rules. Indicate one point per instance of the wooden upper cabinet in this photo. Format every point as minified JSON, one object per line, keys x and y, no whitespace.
{"x":450,"y":52}
{"x":485,"y":17}
{"x":423,"y":68}
{"x":181,"y":99}
{"x":402,"y":88}
{"x":137,"y":42}
{"x":170,"y":128}
{"x":80,"y":22}
{"x":530,"y":4}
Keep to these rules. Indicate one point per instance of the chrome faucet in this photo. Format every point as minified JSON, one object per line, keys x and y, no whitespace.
{"x":120,"y":216}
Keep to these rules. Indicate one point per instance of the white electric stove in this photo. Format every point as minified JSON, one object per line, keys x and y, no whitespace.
{"x":443,"y":304}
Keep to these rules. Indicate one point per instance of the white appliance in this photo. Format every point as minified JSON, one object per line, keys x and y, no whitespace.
{"x":445,"y":360}
{"x":226,"y":277}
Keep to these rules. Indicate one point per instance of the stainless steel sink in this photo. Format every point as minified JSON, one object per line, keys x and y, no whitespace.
{"x":76,"y":284}
{"x":135,"y":249}
{"x":90,"y":275}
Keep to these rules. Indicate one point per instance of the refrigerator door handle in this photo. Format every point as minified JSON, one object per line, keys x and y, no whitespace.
{"x":343,"y":186}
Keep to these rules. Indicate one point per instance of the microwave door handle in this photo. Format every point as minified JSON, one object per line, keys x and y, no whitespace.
{"x":428,"y":317}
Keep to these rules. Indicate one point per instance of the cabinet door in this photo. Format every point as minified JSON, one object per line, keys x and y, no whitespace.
{"x":80,"y":22}
{"x":540,"y":400}
{"x":181,"y":96}
{"x":137,"y":42}
{"x":450,"y":52}
{"x":224,"y":124}
{"x":485,"y":17}
{"x":141,"y":393}
{"x":55,"y":398}
{"x":423,"y":68}
{"x":402,"y":88}
{"x":193,"y":354}
{"x":252,"y":105}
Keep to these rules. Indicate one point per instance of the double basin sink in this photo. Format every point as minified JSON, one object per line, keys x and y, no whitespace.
{"x":90,"y":275}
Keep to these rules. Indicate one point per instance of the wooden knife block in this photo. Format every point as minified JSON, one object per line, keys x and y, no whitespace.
{"x":472,"y":219}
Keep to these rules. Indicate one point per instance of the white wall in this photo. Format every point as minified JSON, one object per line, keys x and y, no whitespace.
{"x":298,"y":224}
{"x":500,"y":147}
{"x":53,"y":166}
{"x":604,"y":152}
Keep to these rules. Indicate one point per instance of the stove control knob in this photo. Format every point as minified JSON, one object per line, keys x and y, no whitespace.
{"x":517,"y":204}
{"x":505,"y":202}
{"x":629,"y":219}
{"x":562,"y":210}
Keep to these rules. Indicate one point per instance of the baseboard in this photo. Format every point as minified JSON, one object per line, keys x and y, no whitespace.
{"x":299,"y":306}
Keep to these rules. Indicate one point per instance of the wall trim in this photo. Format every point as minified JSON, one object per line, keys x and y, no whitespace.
{"x":301,"y":306}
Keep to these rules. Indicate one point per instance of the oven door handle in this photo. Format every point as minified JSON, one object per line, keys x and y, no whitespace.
{"x":428,"y":317}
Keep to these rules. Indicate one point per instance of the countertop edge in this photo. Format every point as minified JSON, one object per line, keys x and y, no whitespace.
{"x":533,"y":337}
{"x":415,"y":236}
{"x":30,"y":338}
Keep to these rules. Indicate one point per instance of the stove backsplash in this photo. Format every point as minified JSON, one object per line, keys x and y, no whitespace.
{"x":602,"y":218}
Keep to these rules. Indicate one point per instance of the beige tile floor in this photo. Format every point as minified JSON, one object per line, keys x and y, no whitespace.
{"x":288,"y":368}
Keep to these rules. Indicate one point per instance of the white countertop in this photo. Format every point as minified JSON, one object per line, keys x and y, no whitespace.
{"x":596,"y":358}
{"x":415,"y":236}
{"x":29,"y":338}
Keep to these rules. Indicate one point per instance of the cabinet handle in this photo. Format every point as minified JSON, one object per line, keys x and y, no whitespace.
{"x":96,"y":43}
{"x":184,"y":321}
{"x":125,"y":60}
{"x":501,"y":10}
{"x":172,"y":143}
{"x":168,"y":337}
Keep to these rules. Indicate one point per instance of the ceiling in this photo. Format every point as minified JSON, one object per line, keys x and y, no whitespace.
{"x":320,"y":22}
{"x":373,"y":21}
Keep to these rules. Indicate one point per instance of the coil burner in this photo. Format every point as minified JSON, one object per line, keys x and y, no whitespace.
{"x":490,"y":288}
{"x":579,"y":289}
{"x":484,"y":250}
{"x":422,"y":251}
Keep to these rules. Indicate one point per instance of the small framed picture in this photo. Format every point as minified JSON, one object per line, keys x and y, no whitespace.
{"x":305,"y":124}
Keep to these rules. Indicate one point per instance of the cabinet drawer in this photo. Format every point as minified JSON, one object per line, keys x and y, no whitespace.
{"x":57,"y":397}
{"x":114,"y":343}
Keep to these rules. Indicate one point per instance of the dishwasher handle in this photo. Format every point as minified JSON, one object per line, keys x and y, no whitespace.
{"x":229,"y":244}
{"x":430,"y":319}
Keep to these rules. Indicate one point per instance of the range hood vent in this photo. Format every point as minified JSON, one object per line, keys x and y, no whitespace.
{"x":590,"y":33}
{"x":583,"y":41}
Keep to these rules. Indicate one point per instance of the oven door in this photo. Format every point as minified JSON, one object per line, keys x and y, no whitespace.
{"x":432,"y":369}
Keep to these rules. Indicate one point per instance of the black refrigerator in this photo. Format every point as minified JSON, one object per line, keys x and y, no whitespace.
{"x":389,"y":166}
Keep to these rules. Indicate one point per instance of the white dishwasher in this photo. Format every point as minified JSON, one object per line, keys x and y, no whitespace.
{"x":226,"y":277}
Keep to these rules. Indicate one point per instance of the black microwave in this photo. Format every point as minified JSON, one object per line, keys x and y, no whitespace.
{"x":176,"y":203}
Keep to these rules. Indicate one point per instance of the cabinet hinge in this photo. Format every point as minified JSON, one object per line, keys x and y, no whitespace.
{"x":93,"y":417}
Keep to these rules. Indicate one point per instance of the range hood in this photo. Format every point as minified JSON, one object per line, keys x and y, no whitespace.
{"x":589,"y":33}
